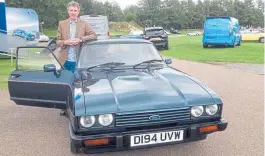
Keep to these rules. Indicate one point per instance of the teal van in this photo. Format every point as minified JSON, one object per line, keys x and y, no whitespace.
{"x":223,"y":31}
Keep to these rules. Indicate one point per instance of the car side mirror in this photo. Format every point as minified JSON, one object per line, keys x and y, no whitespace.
{"x":49,"y":68}
{"x":168,"y":61}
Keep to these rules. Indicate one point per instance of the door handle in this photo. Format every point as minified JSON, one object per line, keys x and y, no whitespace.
{"x":15,"y":75}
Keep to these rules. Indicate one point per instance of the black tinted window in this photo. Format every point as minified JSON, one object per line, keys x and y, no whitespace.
{"x":154,"y":32}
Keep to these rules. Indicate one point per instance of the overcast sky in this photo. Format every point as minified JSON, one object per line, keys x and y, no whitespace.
{"x":122,"y":3}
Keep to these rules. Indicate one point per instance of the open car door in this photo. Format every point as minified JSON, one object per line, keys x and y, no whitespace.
{"x":39,"y":80}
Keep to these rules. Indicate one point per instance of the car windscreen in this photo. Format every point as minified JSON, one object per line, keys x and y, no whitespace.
{"x":128,"y":53}
{"x":154,"y":32}
{"x":217,"y":22}
{"x":210,"y":22}
{"x":223,"y":24}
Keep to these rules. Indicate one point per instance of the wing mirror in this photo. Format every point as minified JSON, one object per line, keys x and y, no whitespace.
{"x":49,"y":68}
{"x":168,"y":61}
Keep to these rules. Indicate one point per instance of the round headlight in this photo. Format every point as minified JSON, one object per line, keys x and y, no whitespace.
{"x":197,"y":111}
{"x":105,"y":120}
{"x":87,"y":121}
{"x":211,"y":109}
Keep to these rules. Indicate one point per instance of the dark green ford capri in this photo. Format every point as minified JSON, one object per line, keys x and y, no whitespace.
{"x":123,"y":96}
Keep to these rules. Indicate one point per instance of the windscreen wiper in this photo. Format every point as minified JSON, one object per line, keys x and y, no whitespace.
{"x":149,"y":61}
{"x":108,"y":65}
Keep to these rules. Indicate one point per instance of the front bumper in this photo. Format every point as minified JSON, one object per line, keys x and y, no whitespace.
{"x":121,"y":140}
{"x":217,"y":42}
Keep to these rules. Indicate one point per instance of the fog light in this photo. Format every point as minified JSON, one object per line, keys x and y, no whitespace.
{"x":103,"y":141}
{"x":208,"y":129}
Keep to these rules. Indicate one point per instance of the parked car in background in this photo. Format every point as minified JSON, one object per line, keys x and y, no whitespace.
{"x":195,"y":33}
{"x":167,"y":32}
{"x":157,"y":35}
{"x":174,"y":31}
{"x":43,"y":38}
{"x":253,"y":35}
{"x":23,"y":34}
{"x":136,"y":34}
{"x":223,"y":31}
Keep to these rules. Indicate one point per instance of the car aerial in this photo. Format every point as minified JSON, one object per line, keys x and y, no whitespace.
{"x":123,"y":96}
{"x":253,"y":35}
{"x":23,"y":34}
{"x":157,"y":35}
{"x":134,"y":34}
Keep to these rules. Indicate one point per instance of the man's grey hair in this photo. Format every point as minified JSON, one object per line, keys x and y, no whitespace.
{"x":73,"y":4}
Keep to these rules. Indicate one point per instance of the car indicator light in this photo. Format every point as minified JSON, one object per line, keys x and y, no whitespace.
{"x":208,"y":129}
{"x":103,"y":141}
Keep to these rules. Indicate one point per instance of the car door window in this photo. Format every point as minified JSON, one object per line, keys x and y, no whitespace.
{"x":34,"y":59}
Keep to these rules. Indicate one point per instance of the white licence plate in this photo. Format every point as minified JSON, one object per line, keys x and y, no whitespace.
{"x":156,"y":138}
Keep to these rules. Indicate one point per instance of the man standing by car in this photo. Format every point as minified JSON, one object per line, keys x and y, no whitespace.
{"x":70,"y":34}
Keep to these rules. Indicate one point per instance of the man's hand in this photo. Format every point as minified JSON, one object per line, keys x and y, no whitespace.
{"x":72,"y":42}
{"x":76,"y":41}
{"x":68,"y":42}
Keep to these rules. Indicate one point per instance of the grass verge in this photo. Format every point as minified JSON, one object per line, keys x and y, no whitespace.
{"x":190,"y":48}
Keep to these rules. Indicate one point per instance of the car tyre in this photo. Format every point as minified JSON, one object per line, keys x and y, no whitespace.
{"x":234,"y":44}
{"x":239,"y":43}
{"x":166,"y":47}
{"x":205,"y":46}
{"x":261,"y":40}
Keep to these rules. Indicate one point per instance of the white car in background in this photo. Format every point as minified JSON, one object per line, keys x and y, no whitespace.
{"x":195,"y":33}
{"x":167,"y":32}
{"x":43,"y":38}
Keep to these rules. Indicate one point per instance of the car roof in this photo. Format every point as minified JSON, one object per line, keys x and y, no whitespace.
{"x":118,"y":41}
{"x":211,"y":17}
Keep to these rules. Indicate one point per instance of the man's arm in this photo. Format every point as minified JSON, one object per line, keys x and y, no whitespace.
{"x":59,"y":40}
{"x":89,"y":34}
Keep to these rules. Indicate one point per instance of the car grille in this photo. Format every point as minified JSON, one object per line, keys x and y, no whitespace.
{"x":142,"y":118}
